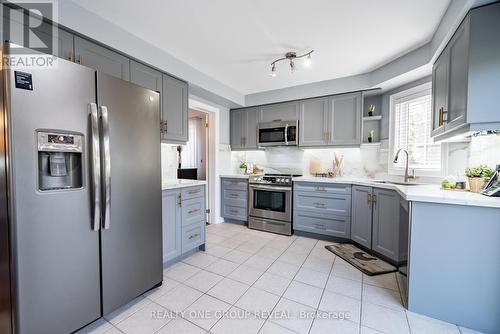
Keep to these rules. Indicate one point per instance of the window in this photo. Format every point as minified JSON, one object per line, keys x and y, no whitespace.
{"x":411,"y":120}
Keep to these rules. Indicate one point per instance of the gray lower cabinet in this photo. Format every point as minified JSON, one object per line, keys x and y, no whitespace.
{"x":175,"y":109}
{"x":380,"y":221}
{"x":183,"y":221}
{"x":385,"y":237}
{"x":172,"y":224}
{"x":102,"y":59}
{"x":286,"y":111}
{"x":322,"y":208}
{"x":234,"y":199}
{"x":361,"y":219}
{"x":243,"y":129}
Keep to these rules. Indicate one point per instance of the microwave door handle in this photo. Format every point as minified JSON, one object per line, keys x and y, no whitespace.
{"x":95,"y":166}
{"x":106,"y":158}
{"x":286,"y":134}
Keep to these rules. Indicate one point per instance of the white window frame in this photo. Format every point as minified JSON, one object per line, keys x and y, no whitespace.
{"x":392,"y":170}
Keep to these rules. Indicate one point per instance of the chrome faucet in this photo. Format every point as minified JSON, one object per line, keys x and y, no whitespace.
{"x":407,"y":175}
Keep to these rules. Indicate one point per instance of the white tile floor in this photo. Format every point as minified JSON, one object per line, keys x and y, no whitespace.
{"x":254,"y":282}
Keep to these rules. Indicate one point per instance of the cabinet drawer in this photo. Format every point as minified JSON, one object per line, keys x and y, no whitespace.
{"x":332,"y":225}
{"x":234,"y":212}
{"x":193,"y":192}
{"x":193,"y":236}
{"x":322,"y":188}
{"x":235,"y":195}
{"x":193,"y":211}
{"x":337,"y":204}
{"x":235,"y":184}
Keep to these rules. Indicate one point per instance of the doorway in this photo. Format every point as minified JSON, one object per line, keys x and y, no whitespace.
{"x":193,"y":162}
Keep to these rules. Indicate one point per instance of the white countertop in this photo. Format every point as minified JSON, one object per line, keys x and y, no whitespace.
{"x":174,"y":184}
{"x":418,"y":193}
{"x":237,"y":176}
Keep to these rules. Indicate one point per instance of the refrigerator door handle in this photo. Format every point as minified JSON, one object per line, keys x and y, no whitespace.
{"x":95,"y":163}
{"x":106,"y":158}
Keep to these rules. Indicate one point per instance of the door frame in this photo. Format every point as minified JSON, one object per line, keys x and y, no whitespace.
{"x":212,"y":144}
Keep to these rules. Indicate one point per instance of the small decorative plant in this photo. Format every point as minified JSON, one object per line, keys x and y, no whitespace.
{"x":243,"y":167}
{"x":371,"y":110}
{"x":478,"y":176}
{"x":371,"y":135}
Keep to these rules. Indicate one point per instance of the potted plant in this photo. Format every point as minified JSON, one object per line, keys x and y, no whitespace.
{"x":478,"y":176}
{"x":243,"y":168}
{"x":371,"y":110}
{"x":371,"y":135}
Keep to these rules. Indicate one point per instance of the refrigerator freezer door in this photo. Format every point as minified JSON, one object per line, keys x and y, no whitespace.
{"x":131,"y":236}
{"x":55,"y":252}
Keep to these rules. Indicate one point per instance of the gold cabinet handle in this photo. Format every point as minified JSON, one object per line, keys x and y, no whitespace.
{"x":369,"y":198}
{"x":193,"y":211}
{"x":180,"y":199}
{"x":70,"y":56}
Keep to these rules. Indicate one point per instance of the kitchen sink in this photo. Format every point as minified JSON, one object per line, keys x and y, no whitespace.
{"x":398,"y":183}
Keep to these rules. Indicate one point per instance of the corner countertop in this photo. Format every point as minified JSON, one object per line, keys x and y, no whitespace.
{"x":168,"y":184}
{"x":431,"y":193}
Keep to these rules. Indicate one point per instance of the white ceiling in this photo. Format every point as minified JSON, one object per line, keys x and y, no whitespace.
{"x":234,"y":41}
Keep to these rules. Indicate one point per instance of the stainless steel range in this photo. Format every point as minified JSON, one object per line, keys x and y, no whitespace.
{"x":270,"y":203}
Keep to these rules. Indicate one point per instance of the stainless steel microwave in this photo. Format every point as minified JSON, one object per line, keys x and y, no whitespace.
{"x":278,"y":133}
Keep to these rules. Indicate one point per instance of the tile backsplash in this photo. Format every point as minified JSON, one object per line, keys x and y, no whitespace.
{"x":367,"y":161}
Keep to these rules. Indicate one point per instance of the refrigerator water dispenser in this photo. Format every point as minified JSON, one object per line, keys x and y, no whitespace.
{"x":59,"y":160}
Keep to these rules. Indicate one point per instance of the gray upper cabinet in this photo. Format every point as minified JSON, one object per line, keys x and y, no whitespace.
{"x":457,"y":86}
{"x":331,"y":121}
{"x":361,"y":223}
{"x":175,"y":109}
{"x":466,"y":77}
{"x":102,"y":59}
{"x":313,"y":122}
{"x":345,"y":119}
{"x":286,"y":111}
{"x":145,"y":76}
{"x":244,"y":129}
{"x":439,"y":93}
{"x":385,"y":237}
{"x":46,"y":34}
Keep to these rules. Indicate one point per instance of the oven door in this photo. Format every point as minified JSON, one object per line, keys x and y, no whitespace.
{"x":271,"y":202}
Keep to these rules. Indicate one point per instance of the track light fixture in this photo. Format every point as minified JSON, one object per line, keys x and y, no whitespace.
{"x":291,"y":56}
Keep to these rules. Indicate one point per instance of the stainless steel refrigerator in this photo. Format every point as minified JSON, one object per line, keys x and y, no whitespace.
{"x":80,"y":196}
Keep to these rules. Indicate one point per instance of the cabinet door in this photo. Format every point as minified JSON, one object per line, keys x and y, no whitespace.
{"x":236,"y":130}
{"x":345,"y":120}
{"x":288,"y":111}
{"x":252,"y":121}
{"x":313,"y":122}
{"x":42,"y":34}
{"x":458,"y":76}
{"x":102,"y":59}
{"x":439,"y":92}
{"x":361,"y":223}
{"x":145,"y":76}
{"x":385,"y":237}
{"x":171,"y":221}
{"x":175,"y":109}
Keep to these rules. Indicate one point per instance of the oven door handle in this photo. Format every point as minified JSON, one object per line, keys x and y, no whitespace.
{"x":272,"y":188}
{"x":286,"y":134}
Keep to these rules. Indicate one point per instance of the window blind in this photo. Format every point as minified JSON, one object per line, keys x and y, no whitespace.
{"x":412,"y":132}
